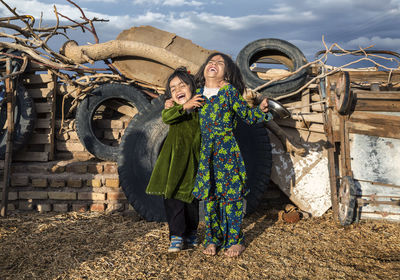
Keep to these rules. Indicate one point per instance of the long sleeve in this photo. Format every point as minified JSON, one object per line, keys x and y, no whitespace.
{"x":243,"y":110}
{"x":173,"y":115}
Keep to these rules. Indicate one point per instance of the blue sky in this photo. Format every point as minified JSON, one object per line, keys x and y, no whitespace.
{"x":228,"y":25}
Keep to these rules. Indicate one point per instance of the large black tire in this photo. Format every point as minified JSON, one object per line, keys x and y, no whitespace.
{"x":140,"y":146}
{"x":280,"y":51}
{"x":255,"y":148}
{"x":88,"y":107}
{"x":142,"y":143}
{"x":24,"y":120}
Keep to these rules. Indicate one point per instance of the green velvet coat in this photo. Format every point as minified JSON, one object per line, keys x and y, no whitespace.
{"x":176,"y":167}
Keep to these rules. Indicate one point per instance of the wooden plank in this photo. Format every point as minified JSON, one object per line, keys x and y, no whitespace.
{"x":380,"y":95}
{"x":44,"y":107}
{"x":40,"y":139}
{"x":305,"y":101}
{"x":43,"y":123}
{"x":377,"y":126}
{"x":315,"y":98}
{"x":37,"y":79}
{"x":40,"y":92}
{"x":387,"y":121}
{"x":309,"y":117}
{"x":374,"y":76}
{"x":380,"y":106}
{"x":32,"y":156}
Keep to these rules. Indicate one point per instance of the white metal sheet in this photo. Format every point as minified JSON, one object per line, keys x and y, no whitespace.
{"x":305,"y":180}
{"x":375,"y":159}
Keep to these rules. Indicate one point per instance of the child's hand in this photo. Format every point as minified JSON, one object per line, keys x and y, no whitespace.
{"x":193,"y":103}
{"x":223,"y":83}
{"x":264,"y":105}
{"x":169,"y":103}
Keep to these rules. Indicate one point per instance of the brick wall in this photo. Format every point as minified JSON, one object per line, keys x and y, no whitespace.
{"x":63,"y":186}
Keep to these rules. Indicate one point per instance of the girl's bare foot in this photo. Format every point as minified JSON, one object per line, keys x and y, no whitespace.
{"x":235,"y":250}
{"x":210,"y":250}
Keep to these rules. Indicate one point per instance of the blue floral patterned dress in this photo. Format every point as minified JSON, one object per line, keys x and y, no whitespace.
{"x":221,"y":176}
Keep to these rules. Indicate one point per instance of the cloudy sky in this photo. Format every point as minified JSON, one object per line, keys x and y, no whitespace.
{"x":228,"y":25}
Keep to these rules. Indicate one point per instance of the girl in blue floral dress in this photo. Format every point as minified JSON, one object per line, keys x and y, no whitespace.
{"x":221,"y":176}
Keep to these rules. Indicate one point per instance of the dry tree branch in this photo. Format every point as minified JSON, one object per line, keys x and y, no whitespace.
{"x":55,"y":27}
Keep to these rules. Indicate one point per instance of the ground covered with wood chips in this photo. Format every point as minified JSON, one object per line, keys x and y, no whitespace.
{"x":122,"y":246}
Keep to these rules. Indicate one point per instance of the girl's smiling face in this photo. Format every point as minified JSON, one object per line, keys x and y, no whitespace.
{"x":215,"y":68}
{"x":180,"y":92}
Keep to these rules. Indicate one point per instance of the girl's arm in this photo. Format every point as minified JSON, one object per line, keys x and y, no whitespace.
{"x":243,"y":110}
{"x":173,"y":115}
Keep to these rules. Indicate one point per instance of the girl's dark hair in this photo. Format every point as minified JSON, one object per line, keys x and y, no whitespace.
{"x":232,"y":73}
{"x":184,"y":76}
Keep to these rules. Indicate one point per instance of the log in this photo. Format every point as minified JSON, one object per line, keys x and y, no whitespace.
{"x":117,"y":48}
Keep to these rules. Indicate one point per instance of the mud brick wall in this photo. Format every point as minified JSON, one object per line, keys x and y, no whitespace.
{"x":63,"y":186}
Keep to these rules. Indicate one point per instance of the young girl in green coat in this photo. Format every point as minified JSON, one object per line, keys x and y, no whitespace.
{"x":175,"y":170}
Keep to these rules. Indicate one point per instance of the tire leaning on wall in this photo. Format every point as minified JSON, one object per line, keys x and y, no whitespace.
{"x":142,"y":142}
{"x":87,"y":108}
{"x":281,"y":52}
{"x":24,"y":120}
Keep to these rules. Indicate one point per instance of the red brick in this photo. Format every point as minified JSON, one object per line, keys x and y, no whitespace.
{"x":37,"y":168}
{"x":95,"y":183}
{"x":81,"y":168}
{"x":11,"y":196}
{"x":19,"y":181}
{"x":33,"y":195}
{"x":61,"y":207}
{"x":74,"y":183}
{"x":91,"y":196}
{"x":79,"y":207}
{"x":43,"y":208}
{"x":58,"y":169}
{"x":39,"y":182}
{"x":62,"y":195}
{"x":57,"y":183}
{"x":69,"y":146}
{"x":97,"y":207}
{"x":95,"y":168}
{"x":116,"y":196}
{"x":113,"y":183}
{"x":110,"y":168}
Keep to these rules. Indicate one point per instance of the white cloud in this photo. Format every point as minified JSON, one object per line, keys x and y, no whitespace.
{"x":182,"y":3}
{"x":97,"y":1}
{"x":148,"y":2}
{"x":36,"y":8}
{"x":172,"y":3}
{"x":376,"y":41}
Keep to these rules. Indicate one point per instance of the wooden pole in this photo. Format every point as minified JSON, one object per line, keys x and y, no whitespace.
{"x":10,"y":132}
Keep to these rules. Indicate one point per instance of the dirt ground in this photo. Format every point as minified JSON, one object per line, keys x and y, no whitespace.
{"x":122,"y":246}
